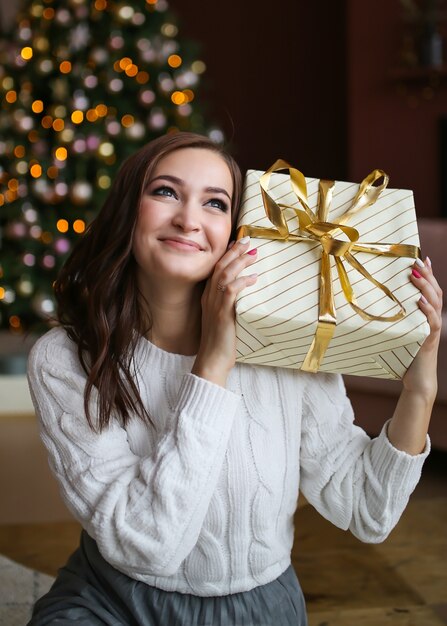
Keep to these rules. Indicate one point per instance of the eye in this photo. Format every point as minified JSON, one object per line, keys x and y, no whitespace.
{"x":164,"y":190}
{"x":218,"y":204}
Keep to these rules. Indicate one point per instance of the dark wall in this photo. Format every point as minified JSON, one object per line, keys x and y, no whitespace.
{"x":276,"y":79}
{"x":393,"y":124}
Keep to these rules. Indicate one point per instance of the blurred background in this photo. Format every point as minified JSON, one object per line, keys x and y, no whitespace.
{"x":336,"y":87}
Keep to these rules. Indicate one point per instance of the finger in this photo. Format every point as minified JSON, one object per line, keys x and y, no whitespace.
{"x":233,"y":289}
{"x":426,"y":270}
{"x":427,"y":290}
{"x":433,"y":317}
{"x":424,"y":280}
{"x":224,"y":276}
{"x":236,"y":250}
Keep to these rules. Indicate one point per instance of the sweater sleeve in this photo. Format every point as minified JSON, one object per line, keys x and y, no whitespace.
{"x":145,"y":513}
{"x":357,"y":483}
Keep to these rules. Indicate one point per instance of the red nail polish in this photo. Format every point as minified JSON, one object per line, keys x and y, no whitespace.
{"x":252,"y":252}
{"x":416,"y":273}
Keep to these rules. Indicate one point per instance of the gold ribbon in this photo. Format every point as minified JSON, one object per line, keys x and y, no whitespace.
{"x":314,"y":227}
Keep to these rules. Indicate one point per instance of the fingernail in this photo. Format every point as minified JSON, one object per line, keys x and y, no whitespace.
{"x":252,"y":252}
{"x":245,"y":239}
{"x":416,"y":273}
{"x":253,"y":276}
{"x":427,"y":259}
{"x":420,"y":263}
{"x":423,"y":300}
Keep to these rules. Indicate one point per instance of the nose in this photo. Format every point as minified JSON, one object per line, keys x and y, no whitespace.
{"x":187,"y":217}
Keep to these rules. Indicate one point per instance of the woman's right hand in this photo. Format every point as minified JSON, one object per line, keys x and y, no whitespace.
{"x":217,"y":351}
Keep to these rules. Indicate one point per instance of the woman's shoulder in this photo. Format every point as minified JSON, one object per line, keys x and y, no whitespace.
{"x":54,"y":348}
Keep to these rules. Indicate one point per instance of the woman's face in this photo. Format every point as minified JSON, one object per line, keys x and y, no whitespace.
{"x":184,"y":220}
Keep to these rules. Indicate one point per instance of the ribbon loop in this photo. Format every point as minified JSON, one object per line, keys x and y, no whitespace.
{"x":315,"y":227}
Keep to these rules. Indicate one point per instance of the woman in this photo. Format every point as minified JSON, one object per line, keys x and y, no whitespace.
{"x":182,"y":466}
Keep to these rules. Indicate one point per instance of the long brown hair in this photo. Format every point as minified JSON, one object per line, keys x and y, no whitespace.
{"x":97,"y":293}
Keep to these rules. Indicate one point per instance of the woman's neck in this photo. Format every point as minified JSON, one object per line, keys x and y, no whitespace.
{"x":176,"y":320}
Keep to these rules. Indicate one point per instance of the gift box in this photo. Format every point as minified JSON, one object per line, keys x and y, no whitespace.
{"x":333,"y":291}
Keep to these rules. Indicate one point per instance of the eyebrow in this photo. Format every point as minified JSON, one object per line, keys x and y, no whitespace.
{"x":180,"y":182}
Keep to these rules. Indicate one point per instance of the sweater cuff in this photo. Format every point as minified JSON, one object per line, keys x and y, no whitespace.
{"x":397,"y":467}
{"x":205,"y":401}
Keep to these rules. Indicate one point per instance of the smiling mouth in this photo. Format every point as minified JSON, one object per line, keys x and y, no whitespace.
{"x":178,"y":244}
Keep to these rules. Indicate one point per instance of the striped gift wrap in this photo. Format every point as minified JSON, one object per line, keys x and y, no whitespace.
{"x":276,"y":318}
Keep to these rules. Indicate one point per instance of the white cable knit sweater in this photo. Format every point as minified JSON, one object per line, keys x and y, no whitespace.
{"x":204,"y":504}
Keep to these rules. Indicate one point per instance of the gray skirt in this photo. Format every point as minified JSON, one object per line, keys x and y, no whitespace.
{"x":88,"y":591}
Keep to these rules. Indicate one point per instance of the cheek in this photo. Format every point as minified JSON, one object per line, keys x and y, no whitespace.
{"x":221,"y":236}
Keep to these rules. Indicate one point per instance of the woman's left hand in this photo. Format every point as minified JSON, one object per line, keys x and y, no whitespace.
{"x":421,"y":375}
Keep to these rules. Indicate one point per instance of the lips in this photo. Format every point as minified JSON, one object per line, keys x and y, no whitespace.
{"x":180,"y":242}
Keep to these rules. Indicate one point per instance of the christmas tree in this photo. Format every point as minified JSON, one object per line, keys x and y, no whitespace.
{"x":83,"y":84}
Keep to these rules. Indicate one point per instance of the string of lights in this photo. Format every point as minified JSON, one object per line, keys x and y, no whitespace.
{"x":82,"y":85}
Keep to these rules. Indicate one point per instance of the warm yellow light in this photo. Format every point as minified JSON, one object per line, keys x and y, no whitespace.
{"x":60,"y":110}
{"x":101,"y":110}
{"x":26,"y":53}
{"x":13,"y":184}
{"x":91,"y":115}
{"x":19,"y":152}
{"x":10,"y":196}
{"x":61,"y":154}
{"x":58,"y":125}
{"x":37,"y":106}
{"x":178,"y":97}
{"x":169,"y":30}
{"x":36,"y":171}
{"x":100,"y":5}
{"x":62,"y":226}
{"x":106,"y":149}
{"x":41,"y":43}
{"x":67,"y":135}
{"x":79,"y":226}
{"x":7,"y":83}
{"x":104,"y":181}
{"x":2,"y":293}
{"x":48,"y":13}
{"x":127,"y":121}
{"x":11,"y":96}
{"x":36,"y":10}
{"x":125,"y":62}
{"x":33,"y":136}
{"x":117,"y":66}
{"x":175,"y":60}
{"x":131,"y":70}
{"x":46,"y":237}
{"x":151,"y":2}
{"x":22,"y":167}
{"x":14,"y":321}
{"x":47,"y":121}
{"x":142,"y":78}
{"x":189,"y":95}
{"x":77,"y":117}
{"x":198,"y":67}
{"x":65,"y":67}
{"x":52,"y":172}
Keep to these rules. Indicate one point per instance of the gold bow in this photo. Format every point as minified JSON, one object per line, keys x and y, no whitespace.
{"x":314,"y":227}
